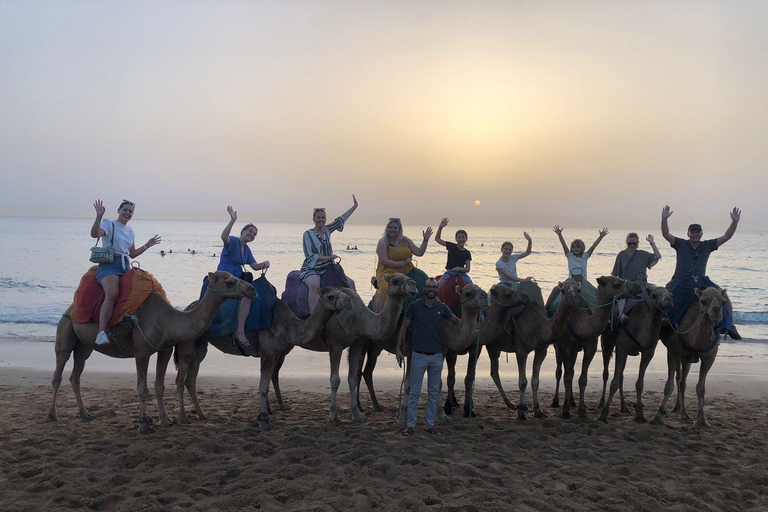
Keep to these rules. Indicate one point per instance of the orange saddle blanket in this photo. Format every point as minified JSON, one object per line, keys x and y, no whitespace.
{"x":135,"y":287}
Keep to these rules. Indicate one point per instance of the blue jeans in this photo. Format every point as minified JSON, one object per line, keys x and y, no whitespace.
{"x":433,"y":365}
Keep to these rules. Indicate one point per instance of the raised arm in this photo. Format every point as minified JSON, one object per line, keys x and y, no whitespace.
{"x":557,"y":229}
{"x":439,"y":234}
{"x":228,"y":229}
{"x":527,"y":249}
{"x":349,"y":212}
{"x":138,"y":252}
{"x":656,"y":253}
{"x":96,"y":230}
{"x":602,"y":233}
{"x":381,"y":252}
{"x":419,"y":251}
{"x":666,"y":213}
{"x":735,"y":217}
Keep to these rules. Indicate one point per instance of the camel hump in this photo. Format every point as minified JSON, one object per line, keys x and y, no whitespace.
{"x":533,"y":291}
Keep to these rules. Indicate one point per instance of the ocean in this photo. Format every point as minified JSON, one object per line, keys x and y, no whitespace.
{"x":43,"y":259}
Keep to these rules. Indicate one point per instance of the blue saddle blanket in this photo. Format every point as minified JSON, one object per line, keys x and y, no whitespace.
{"x":259,"y":317}
{"x":683,"y":297}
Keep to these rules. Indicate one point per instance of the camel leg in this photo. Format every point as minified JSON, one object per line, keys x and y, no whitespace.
{"x":538,"y":359}
{"x":355,"y":355}
{"x":142,"y":390}
{"x":163,"y":357}
{"x":186,"y":356}
{"x":645,"y":360}
{"x":268,"y":364}
{"x":66,"y":340}
{"x":191,"y":381}
{"x":450,"y":398}
{"x":469,"y":381}
{"x":622,"y":403}
{"x":589,"y":353}
{"x":497,"y":380}
{"x":706,"y":364}
{"x":82,"y":353}
{"x":335,"y":355}
{"x":405,"y":386}
{"x":569,"y":362}
{"x":681,"y":392}
{"x":607,"y":354}
{"x":276,"y":382}
{"x":558,"y":376}
{"x":372,"y":358}
{"x":672,"y":363}
{"x":522,"y":383}
{"x":618,"y":376}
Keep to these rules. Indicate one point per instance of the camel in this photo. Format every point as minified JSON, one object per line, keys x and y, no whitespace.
{"x":582,"y":331}
{"x":352,"y":327}
{"x":457,"y":339}
{"x":526,"y":330}
{"x":271,"y":345}
{"x":159,"y":327}
{"x":639,"y":336}
{"x":695,"y":338}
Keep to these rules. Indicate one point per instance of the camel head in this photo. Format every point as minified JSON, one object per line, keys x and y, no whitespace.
{"x":229,"y":287}
{"x":711,"y":303}
{"x":609,"y":287}
{"x":333,"y":299}
{"x":400,"y":284}
{"x":472,"y":298}
{"x":570,"y":290}
{"x":502,"y":294}
{"x":659,"y":297}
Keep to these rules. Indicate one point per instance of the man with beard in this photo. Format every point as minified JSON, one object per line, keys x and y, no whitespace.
{"x":424,"y":317}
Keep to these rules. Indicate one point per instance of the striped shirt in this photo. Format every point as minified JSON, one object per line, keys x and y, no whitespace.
{"x":314,"y":246}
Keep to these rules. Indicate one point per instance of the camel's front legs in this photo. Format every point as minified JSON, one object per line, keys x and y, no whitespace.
{"x":82,"y":353}
{"x":497,"y":380}
{"x":469,"y":381}
{"x":405,"y":391}
{"x":370,"y":364}
{"x":355,"y":356}
{"x":162,"y":364}
{"x":618,"y":376}
{"x":335,"y":355}
{"x":558,"y":376}
{"x":672,"y":363}
{"x":64,"y":347}
{"x":569,"y":362}
{"x":450,"y":398}
{"x":191,"y":381}
{"x":186,"y":354}
{"x":538,"y":359}
{"x":645,"y":360}
{"x":706,"y":364}
{"x":268,"y":364}
{"x":681,"y":386}
{"x":142,"y":390}
{"x":522,"y":382}
{"x":607,"y":354}
{"x":589,"y":354}
{"x":276,"y":381}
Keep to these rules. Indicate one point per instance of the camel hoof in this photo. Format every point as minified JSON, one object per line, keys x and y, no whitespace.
{"x":448,"y":408}
{"x":164,"y":422}
{"x":454,"y":401}
{"x":583,"y":412}
{"x":604,"y":419}
{"x":335,"y":421}
{"x":470,"y":414}
{"x":51,"y":417}
{"x":676,"y":408}
{"x":538,"y":413}
{"x":641,"y":419}
{"x":702,"y":423}
{"x":145,"y":426}
{"x":201,"y":416}
{"x":265,"y":425}
{"x":521,"y":416}
{"x":184,"y":420}
{"x":657,"y":420}
{"x":285,"y":407}
{"x":685,"y":417}
{"x":379,"y":408}
{"x":601,"y":404}
{"x":624,"y":409}
{"x":566,"y":415}
{"x":86,"y":416}
{"x":555,"y":404}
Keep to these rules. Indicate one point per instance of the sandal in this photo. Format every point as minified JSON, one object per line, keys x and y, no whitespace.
{"x":408,"y":432}
{"x":433,"y":430}
{"x":242,"y":342}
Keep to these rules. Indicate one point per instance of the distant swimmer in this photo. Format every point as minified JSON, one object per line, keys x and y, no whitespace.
{"x":193,"y":251}
{"x":162,"y":253}
{"x":354,"y":248}
{"x":170,"y":251}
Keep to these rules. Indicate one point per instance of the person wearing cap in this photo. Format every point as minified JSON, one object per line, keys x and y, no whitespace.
{"x":424,"y":317}
{"x":691,"y":265}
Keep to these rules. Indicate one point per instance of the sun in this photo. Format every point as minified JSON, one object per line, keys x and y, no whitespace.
{"x":477,"y":202}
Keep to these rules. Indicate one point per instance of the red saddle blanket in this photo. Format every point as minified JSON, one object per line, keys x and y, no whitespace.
{"x":135,"y":287}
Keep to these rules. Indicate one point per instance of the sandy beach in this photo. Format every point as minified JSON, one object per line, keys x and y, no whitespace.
{"x":492,"y":462}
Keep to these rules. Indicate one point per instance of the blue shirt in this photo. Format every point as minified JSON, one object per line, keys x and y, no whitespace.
{"x":690,"y":261}
{"x":425,"y":325}
{"x":232,"y":259}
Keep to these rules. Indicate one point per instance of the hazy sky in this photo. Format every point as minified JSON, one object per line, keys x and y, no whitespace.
{"x":591,"y":113}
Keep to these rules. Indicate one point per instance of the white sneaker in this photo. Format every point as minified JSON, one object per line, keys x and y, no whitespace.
{"x":102,"y":338}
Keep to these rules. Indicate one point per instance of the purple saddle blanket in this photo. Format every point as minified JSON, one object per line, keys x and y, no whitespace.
{"x":296,"y":294}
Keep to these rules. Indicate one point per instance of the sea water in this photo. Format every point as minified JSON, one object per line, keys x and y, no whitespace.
{"x":43,"y":259}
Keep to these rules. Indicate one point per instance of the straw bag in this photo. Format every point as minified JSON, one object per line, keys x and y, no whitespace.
{"x":103,"y":254}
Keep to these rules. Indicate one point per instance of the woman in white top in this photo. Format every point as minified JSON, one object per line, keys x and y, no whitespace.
{"x":507,"y":264}
{"x":577,"y":264}
{"x":119,"y":235}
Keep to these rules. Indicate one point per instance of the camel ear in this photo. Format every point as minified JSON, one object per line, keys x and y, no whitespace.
{"x":648,"y":292}
{"x":697,"y":292}
{"x":601,"y":281}
{"x":211,"y":277}
{"x":494,"y":292}
{"x":725,"y":295}
{"x":387,"y":277}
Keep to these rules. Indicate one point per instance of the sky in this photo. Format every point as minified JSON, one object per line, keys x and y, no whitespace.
{"x":588,"y":113}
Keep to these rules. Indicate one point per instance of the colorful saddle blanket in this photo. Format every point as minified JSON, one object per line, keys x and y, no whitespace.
{"x":588,"y":292}
{"x":259,"y":316}
{"x":296,"y":294}
{"x":448,"y":295}
{"x":135,"y":287}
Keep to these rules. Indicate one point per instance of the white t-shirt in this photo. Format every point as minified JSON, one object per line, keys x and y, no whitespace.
{"x":123,"y":237}
{"x":510,"y":266}
{"x":578,"y":263}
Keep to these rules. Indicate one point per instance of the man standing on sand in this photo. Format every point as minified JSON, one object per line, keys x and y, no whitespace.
{"x":691,"y":267}
{"x":424,"y":317}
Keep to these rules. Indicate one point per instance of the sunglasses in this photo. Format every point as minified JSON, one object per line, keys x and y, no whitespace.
{"x":394,"y":219}
{"x":431,"y":287}
{"x":125,"y":201}
{"x":632,"y":244}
